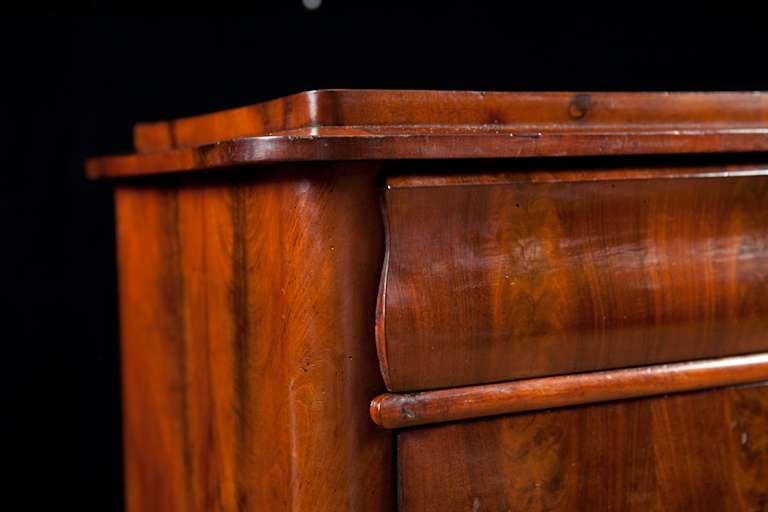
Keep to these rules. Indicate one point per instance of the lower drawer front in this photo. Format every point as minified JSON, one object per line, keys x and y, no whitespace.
{"x":703,"y":451}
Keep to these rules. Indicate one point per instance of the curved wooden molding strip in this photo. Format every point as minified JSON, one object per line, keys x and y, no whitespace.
{"x":392,"y":410}
{"x":375,"y":124}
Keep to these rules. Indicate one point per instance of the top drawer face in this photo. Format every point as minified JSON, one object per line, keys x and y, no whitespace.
{"x":502,"y":277}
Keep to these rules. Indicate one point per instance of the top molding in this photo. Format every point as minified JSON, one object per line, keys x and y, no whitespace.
{"x":384,"y":125}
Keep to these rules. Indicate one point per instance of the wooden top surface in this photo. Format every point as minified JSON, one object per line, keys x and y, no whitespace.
{"x":383,"y":125}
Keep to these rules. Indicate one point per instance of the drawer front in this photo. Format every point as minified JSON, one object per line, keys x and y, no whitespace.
{"x":700,"y":451}
{"x":505,"y":276}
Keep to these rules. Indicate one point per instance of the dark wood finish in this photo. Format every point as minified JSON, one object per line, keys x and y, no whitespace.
{"x":519,"y":275}
{"x":392,"y":410}
{"x":386,"y":125}
{"x":248,"y":300}
{"x":458,"y":110}
{"x":696,"y":452}
{"x":275,"y":116}
{"x":372,"y":146}
{"x":247,"y":343}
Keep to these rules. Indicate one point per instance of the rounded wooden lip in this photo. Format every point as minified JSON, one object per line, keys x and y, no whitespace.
{"x":273,"y":149}
{"x":345,"y":124}
{"x":395,"y":410}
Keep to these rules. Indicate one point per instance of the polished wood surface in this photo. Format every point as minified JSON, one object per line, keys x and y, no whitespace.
{"x":464,"y":110}
{"x":247,"y":343}
{"x":389,"y":125}
{"x":256,"y":296}
{"x":521,"y":274}
{"x":392,"y":410}
{"x":696,"y":452}
{"x":301,"y":110}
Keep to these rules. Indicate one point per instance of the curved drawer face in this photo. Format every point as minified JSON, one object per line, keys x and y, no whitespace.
{"x":503,"y":277}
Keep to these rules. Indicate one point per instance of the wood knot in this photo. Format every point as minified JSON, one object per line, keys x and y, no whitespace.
{"x":579,"y":106}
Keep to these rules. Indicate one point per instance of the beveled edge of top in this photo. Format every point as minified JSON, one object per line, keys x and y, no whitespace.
{"x":347,"y":124}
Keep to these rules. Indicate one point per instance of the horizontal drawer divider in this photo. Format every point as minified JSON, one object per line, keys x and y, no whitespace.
{"x":399,"y":410}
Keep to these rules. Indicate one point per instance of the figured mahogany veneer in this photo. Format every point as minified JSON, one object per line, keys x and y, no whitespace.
{"x":241,"y":389}
{"x":516,"y":275}
{"x":695,"y":452}
{"x":249,"y":280}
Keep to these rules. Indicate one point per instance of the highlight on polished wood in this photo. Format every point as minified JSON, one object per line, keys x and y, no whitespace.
{"x":524,"y":273}
{"x":396,"y":110}
{"x":565,"y":294}
{"x":230,"y":401}
{"x":392,"y":410}
{"x":395,"y":125}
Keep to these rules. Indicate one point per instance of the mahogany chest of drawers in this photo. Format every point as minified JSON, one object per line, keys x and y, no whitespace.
{"x":447,"y":301}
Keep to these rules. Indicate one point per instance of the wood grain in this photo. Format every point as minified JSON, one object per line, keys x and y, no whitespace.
{"x":248,"y":301}
{"x":392,"y":125}
{"x":515,"y":275}
{"x":392,"y":410}
{"x":317,"y":146}
{"x":247,"y":343}
{"x":697,"y":452}
{"x":402,"y":110}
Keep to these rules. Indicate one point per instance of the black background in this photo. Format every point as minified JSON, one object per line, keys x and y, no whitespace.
{"x":71,"y":87}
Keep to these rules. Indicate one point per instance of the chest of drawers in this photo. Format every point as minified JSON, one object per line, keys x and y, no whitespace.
{"x":420,"y":300}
